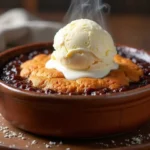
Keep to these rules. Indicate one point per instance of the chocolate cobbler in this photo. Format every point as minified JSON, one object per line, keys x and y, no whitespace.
{"x":28,"y":72}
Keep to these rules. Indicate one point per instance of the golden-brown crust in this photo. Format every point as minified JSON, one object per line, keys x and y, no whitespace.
{"x":131,"y":70}
{"x":44,"y":78}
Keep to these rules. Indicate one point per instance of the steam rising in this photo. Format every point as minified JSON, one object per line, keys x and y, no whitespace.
{"x":87,"y":9}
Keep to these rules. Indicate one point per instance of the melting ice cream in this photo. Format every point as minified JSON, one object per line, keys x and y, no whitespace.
{"x":83,"y":49}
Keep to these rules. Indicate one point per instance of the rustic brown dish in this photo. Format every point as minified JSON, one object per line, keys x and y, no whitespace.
{"x":75,"y":116}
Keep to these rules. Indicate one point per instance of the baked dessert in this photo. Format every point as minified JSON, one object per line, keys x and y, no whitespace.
{"x":85,"y":116}
{"x":118,"y":72}
{"x":44,"y":78}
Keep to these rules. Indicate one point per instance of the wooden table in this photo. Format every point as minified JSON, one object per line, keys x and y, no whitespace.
{"x":131,"y":30}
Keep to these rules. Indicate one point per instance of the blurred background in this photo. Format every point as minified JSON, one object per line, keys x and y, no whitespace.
{"x":47,"y":6}
{"x":128,"y":22}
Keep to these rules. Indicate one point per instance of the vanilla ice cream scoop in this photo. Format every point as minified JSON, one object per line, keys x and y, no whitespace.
{"x":83,"y":49}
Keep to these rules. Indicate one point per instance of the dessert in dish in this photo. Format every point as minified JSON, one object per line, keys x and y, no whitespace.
{"x":85,"y":116}
{"x":85,"y":61}
{"x":124,"y":79}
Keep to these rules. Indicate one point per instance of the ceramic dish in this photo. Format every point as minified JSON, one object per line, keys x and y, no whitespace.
{"x":75,"y":116}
